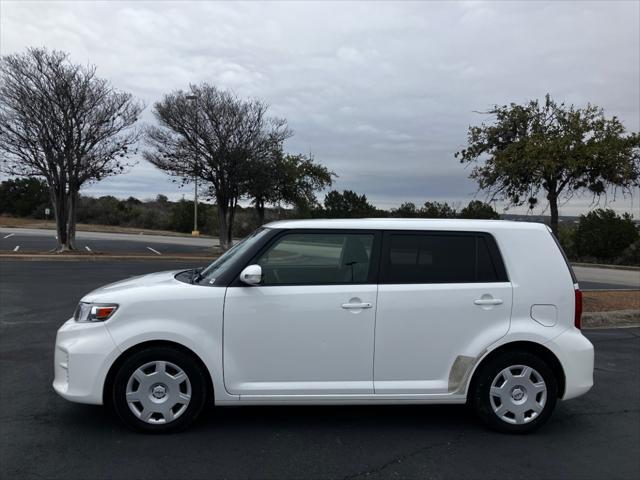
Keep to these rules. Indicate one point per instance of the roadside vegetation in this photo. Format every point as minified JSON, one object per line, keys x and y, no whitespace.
{"x":62,"y":127}
{"x":600,"y":236}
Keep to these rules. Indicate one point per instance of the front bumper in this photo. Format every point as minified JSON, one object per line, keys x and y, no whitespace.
{"x":576,"y":356}
{"x":84,"y":353}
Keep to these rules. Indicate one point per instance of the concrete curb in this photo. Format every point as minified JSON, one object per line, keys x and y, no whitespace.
{"x":99,"y":258}
{"x":611,"y":319}
{"x":602,"y":265}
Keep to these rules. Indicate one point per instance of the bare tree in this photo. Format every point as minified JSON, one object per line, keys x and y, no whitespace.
{"x":61,"y":122}
{"x":215,"y":138}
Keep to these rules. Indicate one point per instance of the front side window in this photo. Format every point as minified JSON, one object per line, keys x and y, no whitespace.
{"x":439,"y":258}
{"x":317,"y":259}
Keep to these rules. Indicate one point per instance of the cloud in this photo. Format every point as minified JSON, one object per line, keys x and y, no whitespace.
{"x":382,"y":93}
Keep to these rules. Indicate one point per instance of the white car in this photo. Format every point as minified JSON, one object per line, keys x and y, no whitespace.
{"x":371,"y":311}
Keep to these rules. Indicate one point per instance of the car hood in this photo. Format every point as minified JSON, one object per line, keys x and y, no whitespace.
{"x":150,"y":280}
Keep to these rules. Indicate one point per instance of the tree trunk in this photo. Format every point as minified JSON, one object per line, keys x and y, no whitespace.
{"x":71,"y":220}
{"x":223,"y":225}
{"x":232,"y":216}
{"x":260,"y":211}
{"x":60,"y":212}
{"x":553,"y":207}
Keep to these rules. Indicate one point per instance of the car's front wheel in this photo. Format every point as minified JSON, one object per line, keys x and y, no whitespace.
{"x":514,"y":392}
{"x":159,"y":389}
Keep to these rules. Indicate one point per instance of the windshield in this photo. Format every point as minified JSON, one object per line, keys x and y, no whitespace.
{"x":222,"y":263}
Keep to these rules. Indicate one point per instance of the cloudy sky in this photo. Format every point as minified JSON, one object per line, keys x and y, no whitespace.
{"x":382,"y":93}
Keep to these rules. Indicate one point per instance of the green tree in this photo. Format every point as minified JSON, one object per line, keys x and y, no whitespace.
{"x":567,"y":239}
{"x":181,"y":216}
{"x":478,"y":209}
{"x":604,"y":235}
{"x":551,"y":150}
{"x":347,"y":204}
{"x":23,"y":196}
{"x":286,"y":179}
{"x":437,"y":210}
{"x":406,"y":210}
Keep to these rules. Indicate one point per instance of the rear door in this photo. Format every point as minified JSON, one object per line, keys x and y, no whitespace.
{"x":441,"y":295}
{"x":309,"y":328}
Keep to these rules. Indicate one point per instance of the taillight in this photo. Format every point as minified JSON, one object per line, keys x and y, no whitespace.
{"x":578,"y":311}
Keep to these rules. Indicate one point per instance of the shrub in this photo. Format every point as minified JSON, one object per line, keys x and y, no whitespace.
{"x":567,"y":238}
{"x":478,"y":209}
{"x":604,"y":235}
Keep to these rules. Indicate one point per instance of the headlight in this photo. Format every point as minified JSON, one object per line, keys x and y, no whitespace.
{"x":94,"y":312}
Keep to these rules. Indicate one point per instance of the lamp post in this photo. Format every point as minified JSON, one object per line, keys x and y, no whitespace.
{"x":195,"y":231}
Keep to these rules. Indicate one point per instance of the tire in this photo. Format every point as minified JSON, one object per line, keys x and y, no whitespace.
{"x":514,"y":392}
{"x":159,"y":390}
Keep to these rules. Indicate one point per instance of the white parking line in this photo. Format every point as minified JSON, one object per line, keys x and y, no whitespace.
{"x":17,"y":248}
{"x":154,"y":251}
{"x":88,"y":249}
{"x":10,"y":235}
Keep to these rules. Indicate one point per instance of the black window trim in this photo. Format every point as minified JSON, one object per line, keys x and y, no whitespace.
{"x":373,"y":266}
{"x":494,"y":254}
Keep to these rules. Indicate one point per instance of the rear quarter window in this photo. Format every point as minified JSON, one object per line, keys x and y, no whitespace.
{"x":441,"y":257}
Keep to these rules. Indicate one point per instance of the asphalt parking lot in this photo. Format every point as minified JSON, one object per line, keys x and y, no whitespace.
{"x":43,"y":436}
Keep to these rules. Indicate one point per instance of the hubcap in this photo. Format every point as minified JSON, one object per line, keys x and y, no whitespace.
{"x":158,"y":392}
{"x":518,"y":394}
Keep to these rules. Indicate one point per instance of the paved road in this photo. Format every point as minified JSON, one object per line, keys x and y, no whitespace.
{"x":42,"y":436}
{"x":40,"y":240}
{"x":591,"y":278}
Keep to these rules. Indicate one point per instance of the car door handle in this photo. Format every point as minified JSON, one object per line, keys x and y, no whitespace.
{"x":356,"y":305}
{"x":488,"y":301}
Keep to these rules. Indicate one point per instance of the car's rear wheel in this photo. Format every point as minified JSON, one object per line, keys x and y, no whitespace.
{"x":159,"y":389}
{"x":514,"y":392}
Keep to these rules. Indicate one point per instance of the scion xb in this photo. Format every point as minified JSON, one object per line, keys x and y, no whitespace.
{"x":370,"y":311}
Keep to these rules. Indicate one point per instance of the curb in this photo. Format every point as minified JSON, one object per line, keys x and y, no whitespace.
{"x":151,"y":232}
{"x":611,"y":319}
{"x":602,"y":265}
{"x":101,"y":258}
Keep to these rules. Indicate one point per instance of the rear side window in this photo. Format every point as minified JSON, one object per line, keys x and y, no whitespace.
{"x":441,"y":258}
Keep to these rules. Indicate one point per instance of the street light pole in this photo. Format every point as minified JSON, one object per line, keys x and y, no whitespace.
{"x":195,"y":231}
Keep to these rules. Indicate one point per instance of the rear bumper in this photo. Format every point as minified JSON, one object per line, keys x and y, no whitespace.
{"x":576,"y":355}
{"x":84,"y":353}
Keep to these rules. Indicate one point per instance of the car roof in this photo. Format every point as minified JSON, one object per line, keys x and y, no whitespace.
{"x":405,"y":224}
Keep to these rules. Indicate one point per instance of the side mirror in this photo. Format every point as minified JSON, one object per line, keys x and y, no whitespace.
{"x":251,"y":275}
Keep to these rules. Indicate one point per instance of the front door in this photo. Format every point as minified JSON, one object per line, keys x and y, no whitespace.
{"x":308,"y":329}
